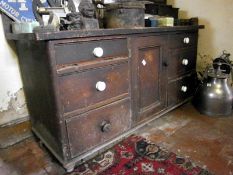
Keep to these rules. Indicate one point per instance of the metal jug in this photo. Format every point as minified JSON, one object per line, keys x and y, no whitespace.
{"x":214,"y":95}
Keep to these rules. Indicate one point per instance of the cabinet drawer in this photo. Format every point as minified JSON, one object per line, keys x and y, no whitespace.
{"x":183,"y":40}
{"x":181,"y":89}
{"x":75,"y":52}
{"x":84,"y":89}
{"x":181,"y":61}
{"x":96,"y":127}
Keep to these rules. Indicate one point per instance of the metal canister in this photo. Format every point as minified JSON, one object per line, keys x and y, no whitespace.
{"x":214,"y":95}
{"x":124,"y":15}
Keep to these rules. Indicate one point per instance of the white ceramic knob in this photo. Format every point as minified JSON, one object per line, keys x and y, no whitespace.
{"x":184,"y":88}
{"x":98,"y":52}
{"x":144,"y":62}
{"x":100,"y":86}
{"x":186,"y":40}
{"x":185,"y":62}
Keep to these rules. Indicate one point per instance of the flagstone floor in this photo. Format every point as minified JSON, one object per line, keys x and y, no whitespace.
{"x":208,"y":141}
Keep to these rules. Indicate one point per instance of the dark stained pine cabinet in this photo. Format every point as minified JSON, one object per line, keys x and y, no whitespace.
{"x":87,"y":90}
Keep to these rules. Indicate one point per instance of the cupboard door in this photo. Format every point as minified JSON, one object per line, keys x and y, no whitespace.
{"x":149,"y":76}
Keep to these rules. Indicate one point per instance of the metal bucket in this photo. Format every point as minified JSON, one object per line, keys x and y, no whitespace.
{"x":124,"y":15}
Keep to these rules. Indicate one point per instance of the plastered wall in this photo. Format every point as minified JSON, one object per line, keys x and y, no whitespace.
{"x":217,"y":16}
{"x":12,"y":100}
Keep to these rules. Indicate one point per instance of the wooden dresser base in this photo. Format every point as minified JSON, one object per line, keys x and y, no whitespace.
{"x":88,"y":90}
{"x":69,"y":166}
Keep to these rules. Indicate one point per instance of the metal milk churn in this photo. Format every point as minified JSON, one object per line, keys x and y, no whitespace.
{"x":214,"y":95}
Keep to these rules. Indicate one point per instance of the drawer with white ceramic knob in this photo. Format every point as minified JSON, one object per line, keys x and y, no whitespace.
{"x":181,"y":89}
{"x":181,"y":61}
{"x":87,"y":50}
{"x":183,"y":40}
{"x":92,"y":88}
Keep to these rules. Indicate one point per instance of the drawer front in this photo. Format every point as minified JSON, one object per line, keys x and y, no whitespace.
{"x":75,"y":52}
{"x":98,"y":126}
{"x":181,"y":89}
{"x":181,"y":61}
{"x":183,"y":40}
{"x":83,"y":89}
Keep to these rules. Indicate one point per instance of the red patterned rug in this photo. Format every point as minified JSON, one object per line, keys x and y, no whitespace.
{"x":138,"y":156}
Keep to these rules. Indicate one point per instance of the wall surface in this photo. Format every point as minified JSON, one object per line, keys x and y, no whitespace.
{"x":12,"y":100}
{"x":217,"y":16}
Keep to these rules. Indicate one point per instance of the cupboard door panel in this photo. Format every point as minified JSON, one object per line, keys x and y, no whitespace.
{"x":149,"y":76}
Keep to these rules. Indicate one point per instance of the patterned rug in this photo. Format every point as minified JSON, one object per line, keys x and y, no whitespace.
{"x":138,"y":156}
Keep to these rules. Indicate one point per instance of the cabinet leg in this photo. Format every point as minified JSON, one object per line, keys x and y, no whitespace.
{"x":69,"y":168}
{"x":41,"y":144}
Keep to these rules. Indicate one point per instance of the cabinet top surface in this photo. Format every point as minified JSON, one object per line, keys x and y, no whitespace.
{"x":99,"y":32}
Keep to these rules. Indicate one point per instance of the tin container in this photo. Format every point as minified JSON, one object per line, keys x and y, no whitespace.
{"x":214,"y":95}
{"x":24,"y":27}
{"x":125,"y":15}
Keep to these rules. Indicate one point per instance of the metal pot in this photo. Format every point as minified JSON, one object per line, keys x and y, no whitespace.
{"x":214,"y":95}
{"x":124,"y":15}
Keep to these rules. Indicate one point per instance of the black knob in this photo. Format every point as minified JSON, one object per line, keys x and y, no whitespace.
{"x":165,"y":64}
{"x":106,"y":126}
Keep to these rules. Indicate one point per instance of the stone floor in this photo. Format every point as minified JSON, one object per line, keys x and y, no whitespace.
{"x":208,"y":141}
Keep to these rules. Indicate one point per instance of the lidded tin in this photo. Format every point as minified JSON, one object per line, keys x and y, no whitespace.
{"x":124,"y":15}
